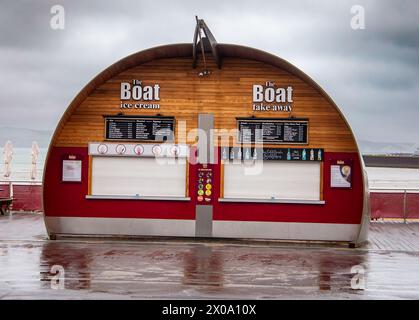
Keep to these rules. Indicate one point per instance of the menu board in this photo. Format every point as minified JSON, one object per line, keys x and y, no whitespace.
{"x":340,"y":176}
{"x":140,"y":128}
{"x":204,"y":184}
{"x":71,"y":171}
{"x":286,"y":154}
{"x":272,"y":131}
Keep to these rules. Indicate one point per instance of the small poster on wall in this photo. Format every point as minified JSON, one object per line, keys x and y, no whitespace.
{"x":340,"y":176}
{"x":71,"y":170}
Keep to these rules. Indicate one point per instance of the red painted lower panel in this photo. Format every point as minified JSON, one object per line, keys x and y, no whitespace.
{"x":342,"y":205}
{"x":25,"y":197}
{"x":391,"y":205}
{"x":68,"y":199}
{"x":4,"y":191}
{"x":412,"y":206}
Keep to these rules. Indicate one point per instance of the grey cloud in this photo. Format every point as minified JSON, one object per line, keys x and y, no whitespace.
{"x":372,"y":74}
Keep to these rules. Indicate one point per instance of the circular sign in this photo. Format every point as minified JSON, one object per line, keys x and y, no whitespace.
{"x":102,"y":149}
{"x":201,"y":192}
{"x":138,"y":149}
{"x":208,"y":187}
{"x":156,"y":150}
{"x":200,"y":198}
{"x":120,"y":149}
{"x":208,"y":192}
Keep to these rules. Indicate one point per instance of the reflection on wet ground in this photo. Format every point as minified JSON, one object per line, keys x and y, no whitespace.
{"x":98,"y":269}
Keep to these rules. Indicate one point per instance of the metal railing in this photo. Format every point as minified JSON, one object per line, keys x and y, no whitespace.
{"x":404,"y":191}
{"x":25,"y":194}
{"x":11,"y":183}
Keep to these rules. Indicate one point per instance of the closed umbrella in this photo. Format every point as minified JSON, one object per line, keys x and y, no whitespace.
{"x":8,"y":156}
{"x":35,"y":155}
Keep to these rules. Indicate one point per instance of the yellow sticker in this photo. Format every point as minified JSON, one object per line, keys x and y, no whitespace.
{"x":208,"y":192}
{"x":208,"y":186}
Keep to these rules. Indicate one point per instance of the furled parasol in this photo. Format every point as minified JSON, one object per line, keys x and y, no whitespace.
{"x":8,"y":156}
{"x":35,"y":155}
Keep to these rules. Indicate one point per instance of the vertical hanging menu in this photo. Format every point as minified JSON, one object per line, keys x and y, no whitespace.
{"x":204,"y":182}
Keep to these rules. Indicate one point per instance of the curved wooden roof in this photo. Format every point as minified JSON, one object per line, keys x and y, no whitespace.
{"x":185,"y":50}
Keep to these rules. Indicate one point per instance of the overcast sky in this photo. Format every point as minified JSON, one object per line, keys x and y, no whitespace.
{"x":372,"y":74}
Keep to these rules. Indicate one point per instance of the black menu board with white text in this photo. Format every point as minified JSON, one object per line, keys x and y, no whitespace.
{"x":140,"y":128}
{"x":273,"y":131}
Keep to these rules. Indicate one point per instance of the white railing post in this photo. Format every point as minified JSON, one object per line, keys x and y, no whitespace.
{"x":10,"y":189}
{"x":404,"y":205}
{"x":11,"y":194}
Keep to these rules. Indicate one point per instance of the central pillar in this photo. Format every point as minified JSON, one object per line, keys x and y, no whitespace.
{"x":205,"y":176}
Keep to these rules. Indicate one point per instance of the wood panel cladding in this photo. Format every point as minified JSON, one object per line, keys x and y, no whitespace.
{"x":227,"y":93}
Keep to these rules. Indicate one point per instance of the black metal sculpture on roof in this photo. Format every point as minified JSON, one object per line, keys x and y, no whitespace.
{"x":207,"y":43}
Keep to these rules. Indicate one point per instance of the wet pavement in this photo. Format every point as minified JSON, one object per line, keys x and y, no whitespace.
{"x":187,"y":269}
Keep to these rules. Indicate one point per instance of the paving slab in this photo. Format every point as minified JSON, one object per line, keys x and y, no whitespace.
{"x":187,"y":269}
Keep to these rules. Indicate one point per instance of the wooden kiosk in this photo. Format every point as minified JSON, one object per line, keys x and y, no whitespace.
{"x":205,"y":140}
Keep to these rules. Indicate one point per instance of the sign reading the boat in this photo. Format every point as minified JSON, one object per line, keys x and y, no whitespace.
{"x":143,"y":94}
{"x":269,"y":97}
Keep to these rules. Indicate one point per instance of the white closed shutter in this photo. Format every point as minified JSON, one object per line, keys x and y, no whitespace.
{"x":129,"y":176}
{"x":274,"y":180}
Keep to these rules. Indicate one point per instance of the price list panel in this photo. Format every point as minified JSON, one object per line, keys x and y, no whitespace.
{"x":204,"y":184}
{"x":229,"y":154}
{"x":273,"y":131}
{"x":140,"y":129}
